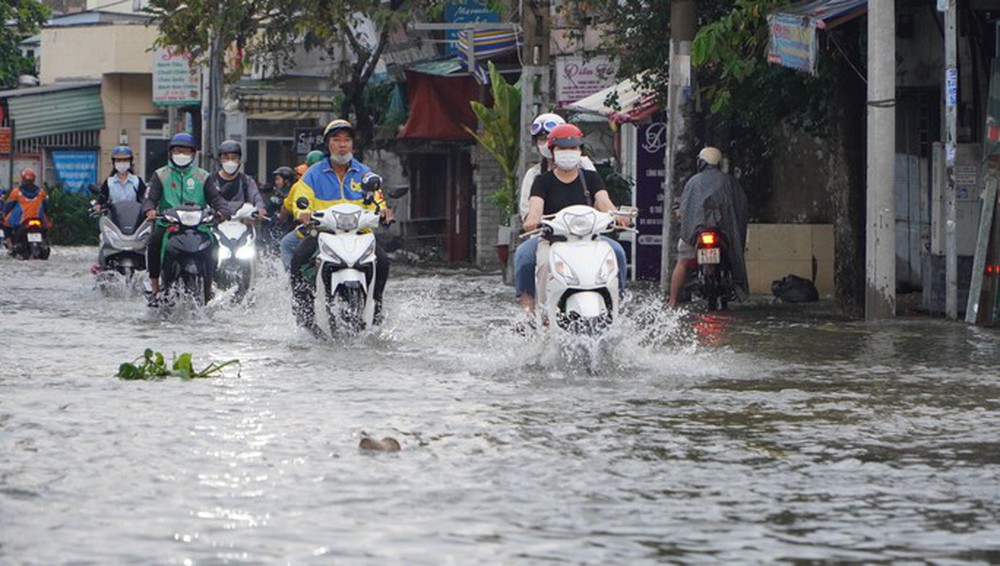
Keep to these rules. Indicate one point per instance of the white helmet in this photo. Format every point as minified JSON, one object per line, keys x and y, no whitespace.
{"x":544,"y":123}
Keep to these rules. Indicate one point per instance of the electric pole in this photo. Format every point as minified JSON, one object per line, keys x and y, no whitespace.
{"x":680,"y":111}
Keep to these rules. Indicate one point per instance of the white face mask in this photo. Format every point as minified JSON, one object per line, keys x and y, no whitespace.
{"x":544,"y":151}
{"x":230,"y":167}
{"x":121,"y":166}
{"x":338,"y":159}
{"x":567,"y":160}
{"x":181,"y":159}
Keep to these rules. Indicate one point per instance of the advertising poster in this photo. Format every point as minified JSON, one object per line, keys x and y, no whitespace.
{"x":75,"y":170}
{"x":175,"y":81}
{"x":465,"y":12}
{"x":651,"y":150}
{"x":578,"y":78}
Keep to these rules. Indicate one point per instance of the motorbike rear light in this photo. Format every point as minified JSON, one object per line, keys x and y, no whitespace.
{"x":708,"y":239}
{"x":34,"y":223}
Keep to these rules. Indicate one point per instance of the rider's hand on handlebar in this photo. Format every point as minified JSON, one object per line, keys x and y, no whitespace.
{"x":262,"y":213}
{"x":151,"y":214}
{"x":305,"y":217}
{"x":387,"y":216}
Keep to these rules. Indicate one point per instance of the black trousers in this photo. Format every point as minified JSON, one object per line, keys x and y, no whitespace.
{"x":303,"y":293}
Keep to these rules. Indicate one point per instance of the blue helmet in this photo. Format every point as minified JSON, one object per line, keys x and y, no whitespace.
{"x":122,"y":152}
{"x":183,"y":139}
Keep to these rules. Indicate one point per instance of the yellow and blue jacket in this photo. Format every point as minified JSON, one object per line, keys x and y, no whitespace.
{"x":324,"y":188}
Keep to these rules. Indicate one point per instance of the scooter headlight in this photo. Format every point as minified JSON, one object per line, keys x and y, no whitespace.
{"x":609,"y":269}
{"x":562,"y":269}
{"x":348,"y":221}
{"x":245,"y":252}
{"x":581,"y":224}
{"x":224,"y":253}
{"x":189,"y":217}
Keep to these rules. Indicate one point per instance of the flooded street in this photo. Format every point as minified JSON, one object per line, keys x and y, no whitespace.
{"x":769,"y":433}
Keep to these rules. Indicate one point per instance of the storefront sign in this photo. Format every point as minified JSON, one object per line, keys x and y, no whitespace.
{"x":469,"y":11}
{"x":651,"y":148}
{"x":175,"y":81}
{"x":793,"y":42}
{"x":578,"y":78}
{"x":308,"y":139}
{"x":75,"y":170}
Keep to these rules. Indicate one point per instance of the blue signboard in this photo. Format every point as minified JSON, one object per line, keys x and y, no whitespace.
{"x":75,"y":170}
{"x":793,"y":42}
{"x":465,"y":12}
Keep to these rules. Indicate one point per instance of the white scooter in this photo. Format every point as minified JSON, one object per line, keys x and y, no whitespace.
{"x":345,"y":263}
{"x":581,"y":291}
{"x":237,"y":238}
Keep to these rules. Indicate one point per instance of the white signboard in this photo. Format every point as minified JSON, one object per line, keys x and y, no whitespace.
{"x":175,"y":81}
{"x":578,"y":78}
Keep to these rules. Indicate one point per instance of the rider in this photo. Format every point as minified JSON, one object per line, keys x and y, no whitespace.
{"x":290,"y":213}
{"x":567,"y":184}
{"x":336,"y":180}
{"x":123,"y":184}
{"x":711,"y":199}
{"x":177,"y":183}
{"x":236,"y":187}
{"x":25,"y":202}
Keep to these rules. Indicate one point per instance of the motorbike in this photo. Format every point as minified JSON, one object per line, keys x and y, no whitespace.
{"x":30,"y":240}
{"x":713,"y":277}
{"x":237,"y":265}
{"x":124,"y":234}
{"x":345,"y":262}
{"x":187,"y":253}
{"x":581,"y":293}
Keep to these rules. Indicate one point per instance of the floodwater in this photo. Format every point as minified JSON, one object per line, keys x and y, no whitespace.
{"x":771,"y":433}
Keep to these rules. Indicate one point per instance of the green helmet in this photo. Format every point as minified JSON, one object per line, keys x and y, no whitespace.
{"x":314,"y":156}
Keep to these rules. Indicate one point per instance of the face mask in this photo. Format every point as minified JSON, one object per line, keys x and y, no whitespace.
{"x":230,"y":167}
{"x":338,"y":159}
{"x":567,"y":160}
{"x":181,"y":159}
{"x":121,"y":166}
{"x":543,"y":149}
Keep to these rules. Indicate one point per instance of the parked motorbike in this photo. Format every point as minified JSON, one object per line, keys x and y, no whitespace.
{"x":187,"y":253}
{"x":30,"y":240}
{"x":713,"y":278}
{"x":121,"y":250}
{"x":237,"y":238}
{"x":581,"y":293}
{"x":345,"y":262}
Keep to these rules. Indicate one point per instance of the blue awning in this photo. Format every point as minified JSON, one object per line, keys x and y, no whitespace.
{"x":826,"y":14}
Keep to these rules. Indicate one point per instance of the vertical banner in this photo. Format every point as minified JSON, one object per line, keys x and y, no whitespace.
{"x":793,"y":42}
{"x":75,"y":170}
{"x":651,"y":147}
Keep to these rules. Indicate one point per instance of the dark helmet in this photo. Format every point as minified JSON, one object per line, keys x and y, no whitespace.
{"x":230,"y":146}
{"x":183,"y":139}
{"x":284,"y":172}
{"x":122,"y":152}
{"x":565,"y":135}
{"x":313,"y":157}
{"x":337,"y":125}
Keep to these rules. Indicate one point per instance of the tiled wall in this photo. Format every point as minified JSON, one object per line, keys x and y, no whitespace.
{"x":777,"y":250}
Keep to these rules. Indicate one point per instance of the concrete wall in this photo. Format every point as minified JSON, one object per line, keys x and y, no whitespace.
{"x":777,"y":250}
{"x":487,"y":177}
{"x":126,"y":99}
{"x":87,"y":52}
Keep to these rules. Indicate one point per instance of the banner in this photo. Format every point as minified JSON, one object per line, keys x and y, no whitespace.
{"x":75,"y":170}
{"x":175,"y":81}
{"x":793,"y":42}
{"x":651,"y":149}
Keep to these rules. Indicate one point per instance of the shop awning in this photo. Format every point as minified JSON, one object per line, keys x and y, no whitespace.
{"x":266,"y":101}
{"x":439,"y":106}
{"x":634,"y":103}
{"x":793,"y":29}
{"x":55,"y":109}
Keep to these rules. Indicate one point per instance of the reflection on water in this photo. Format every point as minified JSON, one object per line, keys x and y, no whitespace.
{"x":767,"y":433}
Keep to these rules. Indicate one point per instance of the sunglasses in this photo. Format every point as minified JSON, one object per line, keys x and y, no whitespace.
{"x":537,"y":127}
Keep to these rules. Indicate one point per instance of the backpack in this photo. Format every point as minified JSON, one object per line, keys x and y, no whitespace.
{"x":795,"y":289}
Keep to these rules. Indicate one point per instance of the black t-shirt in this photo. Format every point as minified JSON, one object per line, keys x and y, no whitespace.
{"x":559,"y":195}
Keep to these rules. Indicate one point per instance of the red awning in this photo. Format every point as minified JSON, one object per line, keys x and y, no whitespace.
{"x":439,"y":106}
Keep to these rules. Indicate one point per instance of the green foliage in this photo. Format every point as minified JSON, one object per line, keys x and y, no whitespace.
{"x":619,"y":188}
{"x":19,"y":19}
{"x":71,"y":221}
{"x":499,"y":136}
{"x":153,"y":366}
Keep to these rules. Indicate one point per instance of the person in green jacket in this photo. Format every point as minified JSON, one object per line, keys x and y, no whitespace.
{"x":178,"y":182}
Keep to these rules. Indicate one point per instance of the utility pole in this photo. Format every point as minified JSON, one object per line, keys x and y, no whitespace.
{"x":880,"y":236}
{"x":951,"y":124}
{"x":683,"y":27}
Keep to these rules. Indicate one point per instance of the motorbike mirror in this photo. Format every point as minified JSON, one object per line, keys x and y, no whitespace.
{"x":396,"y":192}
{"x":302,"y":203}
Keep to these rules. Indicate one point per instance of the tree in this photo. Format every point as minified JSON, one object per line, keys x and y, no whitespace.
{"x":501,"y":138}
{"x":25,"y":17}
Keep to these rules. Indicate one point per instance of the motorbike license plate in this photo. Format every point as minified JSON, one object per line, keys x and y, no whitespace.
{"x":34,"y":237}
{"x":708,"y":255}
